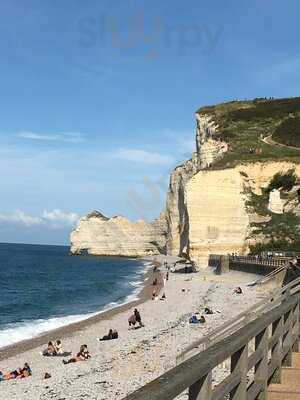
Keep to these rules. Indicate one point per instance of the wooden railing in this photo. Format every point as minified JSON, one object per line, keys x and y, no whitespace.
{"x":262,"y":345}
{"x":268,"y":262}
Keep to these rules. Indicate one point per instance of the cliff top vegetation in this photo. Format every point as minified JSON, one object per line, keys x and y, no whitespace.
{"x":257,"y":130}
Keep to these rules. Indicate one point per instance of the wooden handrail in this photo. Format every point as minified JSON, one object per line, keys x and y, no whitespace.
{"x":276,"y":328}
{"x":276,"y":262}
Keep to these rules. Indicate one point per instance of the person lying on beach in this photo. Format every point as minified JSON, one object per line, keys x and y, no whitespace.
{"x":19,"y":373}
{"x":208,"y":311}
{"x":238,"y":290}
{"x":112,"y":334}
{"x":13,"y":375}
{"x":83,"y":355}
{"x":195,"y":320}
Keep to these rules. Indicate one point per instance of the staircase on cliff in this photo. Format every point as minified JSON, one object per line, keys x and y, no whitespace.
{"x":289,"y":388}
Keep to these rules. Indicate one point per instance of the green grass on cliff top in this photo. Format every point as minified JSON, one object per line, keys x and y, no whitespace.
{"x":242,"y":124}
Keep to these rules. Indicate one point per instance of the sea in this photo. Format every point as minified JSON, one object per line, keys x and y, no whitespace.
{"x":44,"y":287}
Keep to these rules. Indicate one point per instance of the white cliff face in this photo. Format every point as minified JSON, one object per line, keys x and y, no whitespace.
{"x":218,"y":221}
{"x":177,"y":217}
{"x":208,"y":151}
{"x":117,"y":236}
{"x":216,"y":201}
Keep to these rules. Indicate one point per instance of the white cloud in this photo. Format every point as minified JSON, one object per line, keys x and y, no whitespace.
{"x":53,"y":219}
{"x":143,"y":156}
{"x":60,"y":217}
{"x":19,"y":216}
{"x":72,"y":137}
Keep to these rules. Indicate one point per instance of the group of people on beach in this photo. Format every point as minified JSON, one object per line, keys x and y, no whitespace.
{"x":55,"y":349}
{"x":195,"y":320}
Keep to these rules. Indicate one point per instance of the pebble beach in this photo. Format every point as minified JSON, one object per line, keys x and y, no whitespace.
{"x":119,"y":367}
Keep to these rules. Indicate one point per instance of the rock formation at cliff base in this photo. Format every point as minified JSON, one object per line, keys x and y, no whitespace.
{"x":117,"y":236}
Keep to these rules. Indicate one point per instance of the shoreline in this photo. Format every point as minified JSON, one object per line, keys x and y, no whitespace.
{"x":72,"y":328}
{"x":139,"y":356}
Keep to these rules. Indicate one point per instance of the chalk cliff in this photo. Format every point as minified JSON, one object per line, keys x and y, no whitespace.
{"x":224,"y":199}
{"x":230,"y":209}
{"x":207,"y":152}
{"x":117,"y":236}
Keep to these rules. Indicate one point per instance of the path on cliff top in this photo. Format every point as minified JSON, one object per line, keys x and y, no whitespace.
{"x":269,"y":140}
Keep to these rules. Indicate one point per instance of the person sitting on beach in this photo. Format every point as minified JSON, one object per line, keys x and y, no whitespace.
{"x":58,"y":347}
{"x":112,"y":334}
{"x":154,"y":295}
{"x":238,"y":290}
{"x":138,"y":317}
{"x":208,"y":311}
{"x":83,"y":355}
{"x":131,"y":321}
{"x":195,"y":320}
{"x":163,"y":297}
{"x":55,"y":350}
{"x":154,"y":282}
{"x":51,"y":350}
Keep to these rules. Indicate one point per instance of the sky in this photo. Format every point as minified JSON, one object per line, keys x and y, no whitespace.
{"x":97,"y":98}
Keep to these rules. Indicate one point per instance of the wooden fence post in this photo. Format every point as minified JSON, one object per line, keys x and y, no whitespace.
{"x":239,"y":364}
{"x":296,"y":328}
{"x":287,"y":338}
{"x":224,"y":260}
{"x":261,"y":369}
{"x":277,"y":329}
{"x":202,"y":389}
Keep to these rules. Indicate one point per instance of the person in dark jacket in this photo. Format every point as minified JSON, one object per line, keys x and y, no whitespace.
{"x":138,"y":317}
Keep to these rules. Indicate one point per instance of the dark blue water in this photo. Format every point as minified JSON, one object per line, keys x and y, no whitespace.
{"x":43,"y":287}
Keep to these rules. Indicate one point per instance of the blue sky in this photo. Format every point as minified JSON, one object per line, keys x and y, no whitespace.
{"x":98,"y":98}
